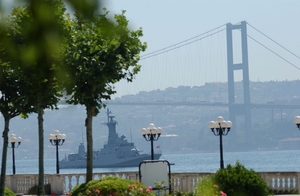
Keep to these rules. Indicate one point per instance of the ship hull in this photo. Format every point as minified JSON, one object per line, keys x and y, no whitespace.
{"x":117,"y":152}
{"x":108,"y":162}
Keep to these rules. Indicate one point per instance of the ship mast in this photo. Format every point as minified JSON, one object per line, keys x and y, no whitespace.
{"x":111,"y":124}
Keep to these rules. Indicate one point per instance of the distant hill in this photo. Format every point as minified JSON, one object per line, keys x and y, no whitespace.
{"x":185,"y":127}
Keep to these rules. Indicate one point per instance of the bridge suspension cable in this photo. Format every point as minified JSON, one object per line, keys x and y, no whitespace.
{"x":208,"y":34}
{"x":272,"y":50}
{"x":274,"y":41}
{"x":184,"y":43}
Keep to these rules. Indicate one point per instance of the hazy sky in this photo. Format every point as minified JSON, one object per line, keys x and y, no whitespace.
{"x":167,"y":22}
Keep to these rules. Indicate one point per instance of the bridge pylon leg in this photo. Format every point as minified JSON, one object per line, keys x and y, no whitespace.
{"x":238,"y":107}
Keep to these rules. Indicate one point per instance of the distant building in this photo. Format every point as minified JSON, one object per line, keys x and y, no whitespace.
{"x":289,"y":144}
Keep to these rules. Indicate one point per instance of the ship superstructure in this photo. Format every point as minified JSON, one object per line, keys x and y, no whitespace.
{"x":117,"y":152}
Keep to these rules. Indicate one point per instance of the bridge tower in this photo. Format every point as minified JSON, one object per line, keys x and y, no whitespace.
{"x":236,"y":109}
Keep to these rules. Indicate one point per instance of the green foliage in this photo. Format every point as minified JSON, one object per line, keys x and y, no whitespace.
{"x":207,"y":187}
{"x":30,"y":52}
{"x":100,"y":53}
{"x":236,"y":180}
{"x":86,"y":8}
{"x":8,"y":192}
{"x":32,"y":41}
{"x":286,"y":192}
{"x":182,"y":193}
{"x":111,"y":186}
{"x":29,"y":58}
{"x":161,"y":187}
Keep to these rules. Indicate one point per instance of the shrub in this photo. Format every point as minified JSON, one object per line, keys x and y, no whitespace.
{"x":8,"y":192}
{"x":207,"y":187}
{"x":162,"y":190}
{"x":284,"y":192}
{"x":239,"y":181}
{"x":112,"y":186}
{"x":182,"y":193}
{"x":34,"y":190}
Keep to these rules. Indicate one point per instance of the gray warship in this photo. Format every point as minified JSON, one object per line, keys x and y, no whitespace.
{"x":118,"y":152}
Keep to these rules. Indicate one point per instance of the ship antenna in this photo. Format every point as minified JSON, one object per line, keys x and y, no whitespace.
{"x":108,"y":112}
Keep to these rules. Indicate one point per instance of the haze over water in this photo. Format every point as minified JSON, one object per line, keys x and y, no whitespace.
{"x":200,"y":162}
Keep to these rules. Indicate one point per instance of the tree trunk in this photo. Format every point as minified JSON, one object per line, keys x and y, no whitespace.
{"x":4,"y":154}
{"x":89,"y":138}
{"x":41,"y":149}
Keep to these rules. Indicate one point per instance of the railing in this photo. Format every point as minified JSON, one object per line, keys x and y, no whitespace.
{"x":63,"y":183}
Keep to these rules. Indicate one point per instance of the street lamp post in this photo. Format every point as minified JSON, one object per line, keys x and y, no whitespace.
{"x":57,"y":139}
{"x":297,"y":121}
{"x":12,"y":140}
{"x":151,"y":134}
{"x":220,"y":128}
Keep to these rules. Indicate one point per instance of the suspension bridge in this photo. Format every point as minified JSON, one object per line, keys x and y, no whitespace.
{"x":218,"y":55}
{"x":204,"y":59}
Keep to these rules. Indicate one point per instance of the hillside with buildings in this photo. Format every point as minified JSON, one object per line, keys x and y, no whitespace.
{"x":185,"y":127}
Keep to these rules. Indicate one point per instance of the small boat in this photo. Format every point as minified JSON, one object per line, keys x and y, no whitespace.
{"x":118,"y":152}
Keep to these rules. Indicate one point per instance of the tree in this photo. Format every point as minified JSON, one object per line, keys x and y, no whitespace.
{"x":43,"y":36}
{"x":42,"y":69}
{"x":99,"y":54}
{"x":13,"y":103}
{"x":13,"y":100}
{"x":33,"y":53}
